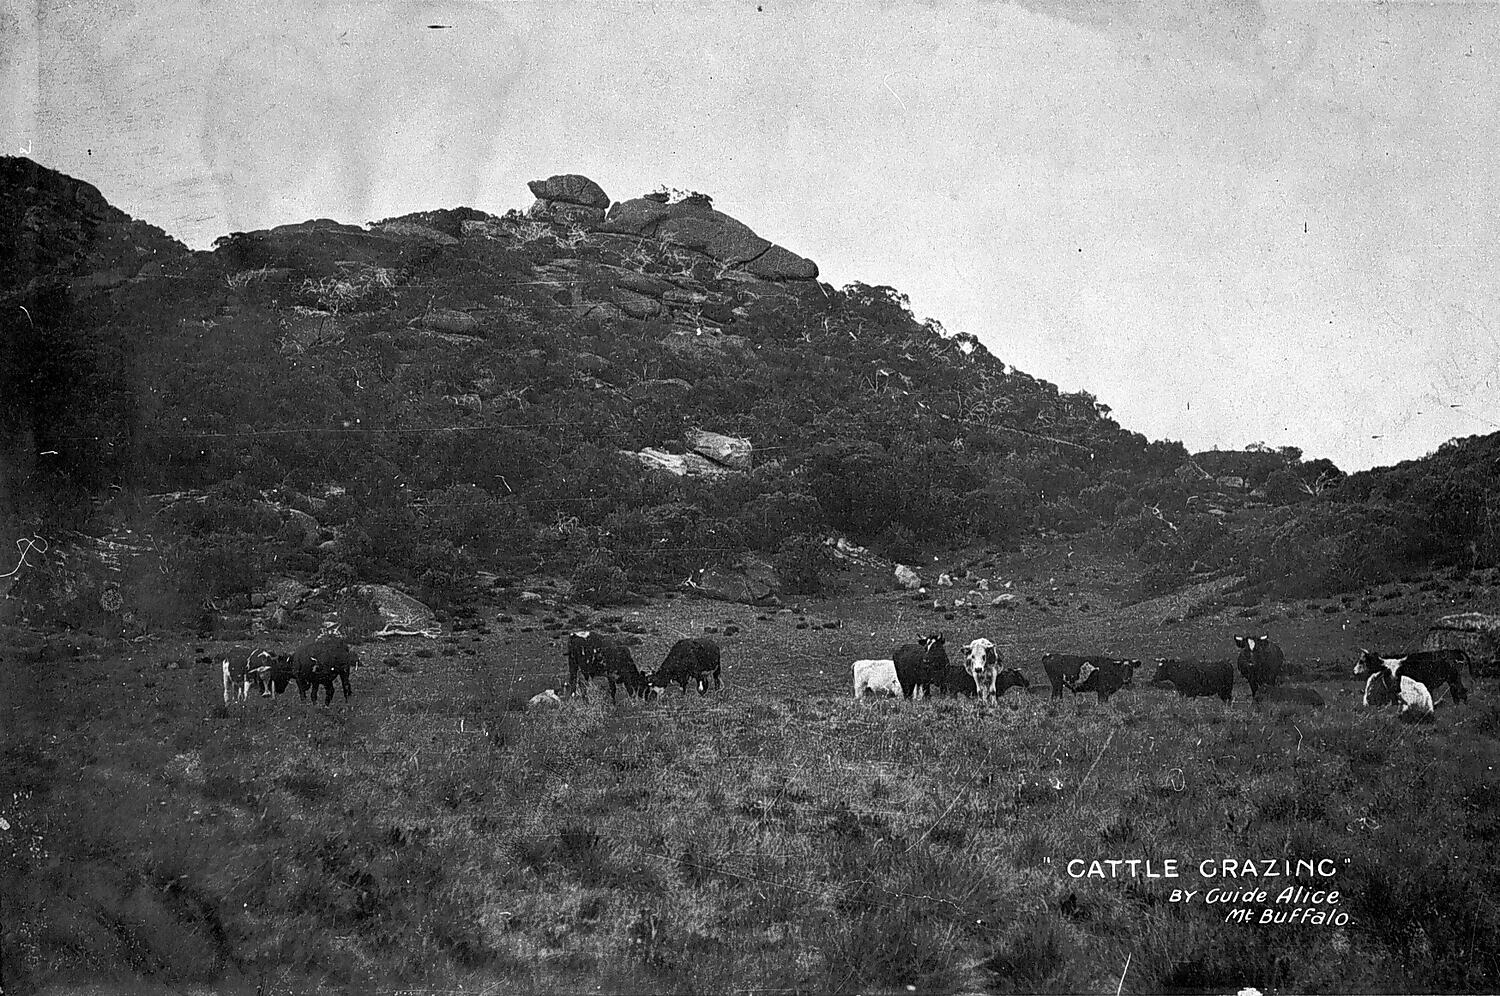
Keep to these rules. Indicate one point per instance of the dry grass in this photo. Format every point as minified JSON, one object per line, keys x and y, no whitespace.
{"x":775,"y":836}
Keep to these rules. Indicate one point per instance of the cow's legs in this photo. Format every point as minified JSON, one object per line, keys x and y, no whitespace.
{"x":344,"y":681}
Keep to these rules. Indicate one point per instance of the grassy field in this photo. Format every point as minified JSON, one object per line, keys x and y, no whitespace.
{"x":772,"y":837}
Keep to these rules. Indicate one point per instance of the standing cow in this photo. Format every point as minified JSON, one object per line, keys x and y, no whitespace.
{"x":982,"y":662}
{"x":1103,"y":677}
{"x":694,"y":659}
{"x":315,"y":665}
{"x":920,"y":665}
{"x":1194,"y":678}
{"x":594,"y":655}
{"x":1261,"y":661}
{"x":1063,"y":669}
{"x":244,"y":669}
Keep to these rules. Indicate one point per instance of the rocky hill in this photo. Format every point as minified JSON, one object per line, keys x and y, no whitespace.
{"x":620,"y":393}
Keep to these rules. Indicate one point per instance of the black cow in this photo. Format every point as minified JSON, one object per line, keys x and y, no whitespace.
{"x":693,"y":659}
{"x":1010,"y":677}
{"x":1062,"y":669}
{"x":1103,"y":677}
{"x":594,"y":655}
{"x":922,"y":665}
{"x":1194,"y":678}
{"x":1433,"y":668}
{"x":314,"y":665}
{"x":1261,"y":661}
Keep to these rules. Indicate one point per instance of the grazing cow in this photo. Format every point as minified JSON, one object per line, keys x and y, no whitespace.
{"x":1195,"y":678}
{"x":1415,"y":699}
{"x":920,"y":665}
{"x":1290,"y":695}
{"x":1010,"y":678}
{"x":1433,"y":668}
{"x":314,"y":665}
{"x":692,"y":659}
{"x":1103,"y":677}
{"x":982,"y":662}
{"x":876,"y":676}
{"x":544,"y":700}
{"x":594,"y":655}
{"x":1261,"y":661}
{"x":1063,"y":669}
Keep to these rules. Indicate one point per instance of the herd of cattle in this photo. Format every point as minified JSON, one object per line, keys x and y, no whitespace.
{"x":920,"y":669}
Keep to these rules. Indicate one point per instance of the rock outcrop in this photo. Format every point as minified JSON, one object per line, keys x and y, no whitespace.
{"x":696,"y":227}
{"x":569,"y":198}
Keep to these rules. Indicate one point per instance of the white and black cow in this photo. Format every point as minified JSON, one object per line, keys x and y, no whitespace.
{"x":1389,"y":686}
{"x":1433,"y":668}
{"x":982,"y":662}
{"x":315,"y":665}
{"x":876,"y":676}
{"x":1194,"y":678}
{"x":245,"y":669}
{"x":1261,"y":661}
{"x":920,"y":665}
{"x":594,"y":655}
{"x":694,"y":659}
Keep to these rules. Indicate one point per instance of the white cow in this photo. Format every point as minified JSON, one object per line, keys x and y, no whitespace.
{"x":982,"y":661}
{"x":876,"y":676}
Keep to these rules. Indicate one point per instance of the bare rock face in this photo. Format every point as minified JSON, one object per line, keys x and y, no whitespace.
{"x":695,"y":226}
{"x":570,"y":188}
{"x":727,"y":451}
{"x":565,"y":213}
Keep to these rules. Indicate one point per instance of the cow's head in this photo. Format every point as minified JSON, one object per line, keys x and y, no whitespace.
{"x":934,"y":654}
{"x":1129,"y":667}
{"x":1163,"y":669}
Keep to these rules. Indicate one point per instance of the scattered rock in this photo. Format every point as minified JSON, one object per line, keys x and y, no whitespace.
{"x":908,"y":578}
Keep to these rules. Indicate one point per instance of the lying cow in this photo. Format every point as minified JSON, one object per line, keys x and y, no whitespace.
{"x":1103,"y":677}
{"x":245,"y":669}
{"x":982,"y":662}
{"x":1415,"y":699}
{"x":694,"y":659}
{"x":594,"y":655}
{"x":1261,"y":661}
{"x":920,"y":665}
{"x":1194,"y":678}
{"x":314,"y":665}
{"x":876,"y":676}
{"x":1433,"y":668}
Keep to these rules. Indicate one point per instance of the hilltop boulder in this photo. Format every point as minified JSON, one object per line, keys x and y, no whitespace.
{"x":570,"y":188}
{"x":694,"y":225}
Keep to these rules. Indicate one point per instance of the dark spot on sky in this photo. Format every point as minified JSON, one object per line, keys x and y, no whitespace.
{"x":436,"y":26}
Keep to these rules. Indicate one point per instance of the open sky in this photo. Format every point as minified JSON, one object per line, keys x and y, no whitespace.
{"x":1233,"y":221}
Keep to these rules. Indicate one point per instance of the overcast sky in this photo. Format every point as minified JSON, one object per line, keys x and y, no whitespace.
{"x":1233,"y":222}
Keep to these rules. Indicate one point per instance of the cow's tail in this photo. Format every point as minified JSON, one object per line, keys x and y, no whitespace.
{"x":225,"y":663}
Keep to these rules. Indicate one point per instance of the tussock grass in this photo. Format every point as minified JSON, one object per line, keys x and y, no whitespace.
{"x":749,"y":839}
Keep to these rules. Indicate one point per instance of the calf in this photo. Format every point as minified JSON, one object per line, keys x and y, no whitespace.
{"x":692,"y":659}
{"x":594,"y":655}
{"x":1104,"y":677}
{"x":1010,"y":678}
{"x":1290,"y":695}
{"x":920,"y":665}
{"x":876,"y":676}
{"x":1261,"y":661}
{"x":314,"y":665}
{"x":245,"y":668}
{"x":1433,"y":668}
{"x":1195,"y":678}
{"x":1415,"y":699}
{"x":982,"y":662}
